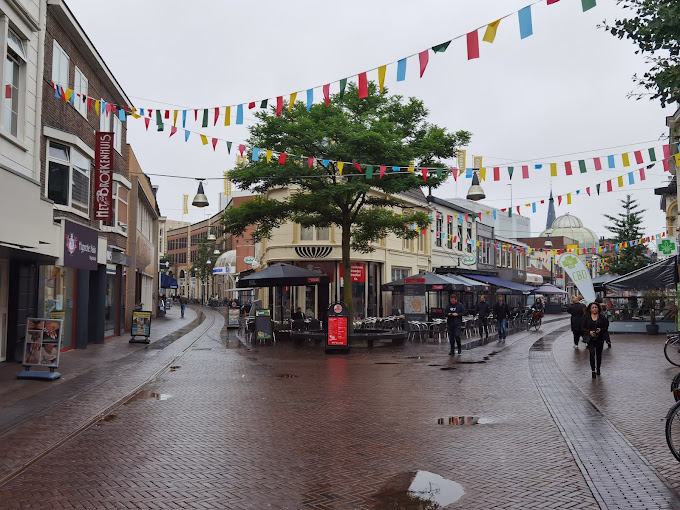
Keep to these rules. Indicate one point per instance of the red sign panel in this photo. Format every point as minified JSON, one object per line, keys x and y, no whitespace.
{"x":103,"y":177}
{"x":358,"y":270}
{"x":315,"y":279}
{"x":337,"y":331}
{"x":414,"y":280}
{"x":437,"y":287}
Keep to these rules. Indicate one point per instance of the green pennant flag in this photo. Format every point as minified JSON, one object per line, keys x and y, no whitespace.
{"x":597,"y":186}
{"x":343,"y":84}
{"x":439,"y":173}
{"x":588,"y":4}
{"x":159,"y":120}
{"x":229,"y":147}
{"x":511,"y":169}
{"x":652,"y":154}
{"x":369,"y":171}
{"x":582,"y":166}
{"x":264,"y":103}
{"x":510,"y":212}
{"x":205,"y":118}
{"x":441,"y":48}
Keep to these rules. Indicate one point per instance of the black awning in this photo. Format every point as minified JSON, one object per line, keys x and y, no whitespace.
{"x":280,"y":275}
{"x":661,"y":275}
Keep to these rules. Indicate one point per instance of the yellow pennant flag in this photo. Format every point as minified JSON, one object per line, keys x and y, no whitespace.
{"x":174,"y":118}
{"x":568,"y":198}
{"x":677,"y":160}
{"x":411,"y":169}
{"x":620,"y":181}
{"x":341,"y":165}
{"x":96,"y":107}
{"x":490,"y":34}
{"x":482,"y":174}
{"x":68,"y":94}
{"x":204,"y":139}
{"x":626,"y":161}
{"x":292,"y":100}
{"x":381,"y":77}
{"x":186,"y":204}
{"x":227,"y":115}
{"x":269,"y":155}
{"x":553,"y":169}
{"x":460,"y":171}
{"x":135,"y":114}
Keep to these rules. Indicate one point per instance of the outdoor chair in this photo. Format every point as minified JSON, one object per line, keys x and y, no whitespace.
{"x":315,"y":325}
{"x":298,"y":325}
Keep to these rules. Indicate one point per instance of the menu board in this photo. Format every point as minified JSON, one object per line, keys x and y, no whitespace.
{"x":337,"y":331}
{"x":263,"y":325}
{"x":43,"y":342}
{"x":233,"y":317}
{"x":141,"y":324}
{"x":414,"y":302}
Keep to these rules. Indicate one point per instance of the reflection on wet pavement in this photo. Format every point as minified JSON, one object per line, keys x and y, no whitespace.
{"x":148,"y":394}
{"x":420,"y":490}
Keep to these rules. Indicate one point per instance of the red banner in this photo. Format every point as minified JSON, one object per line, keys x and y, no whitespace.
{"x":358,"y":272}
{"x":103,"y":177}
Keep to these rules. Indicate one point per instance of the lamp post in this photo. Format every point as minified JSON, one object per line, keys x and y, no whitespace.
{"x":548,"y":245}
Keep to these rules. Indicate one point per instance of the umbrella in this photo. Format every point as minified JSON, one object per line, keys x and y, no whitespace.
{"x":168,"y":282}
{"x":432,"y":281}
{"x":548,"y":288}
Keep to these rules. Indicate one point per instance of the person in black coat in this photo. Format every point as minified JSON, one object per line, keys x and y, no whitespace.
{"x":595,"y":328}
{"x":501,"y":313}
{"x":577,"y":311}
{"x":454,"y":321}
{"x":482,"y":311}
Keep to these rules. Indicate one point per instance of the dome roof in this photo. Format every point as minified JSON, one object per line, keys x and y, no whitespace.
{"x":228,"y":258}
{"x":572,"y":227}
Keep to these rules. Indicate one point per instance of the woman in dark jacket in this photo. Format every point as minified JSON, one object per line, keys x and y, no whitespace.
{"x":577,"y":310}
{"x":595,"y":329}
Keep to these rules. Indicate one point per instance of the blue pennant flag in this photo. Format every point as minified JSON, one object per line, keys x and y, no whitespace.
{"x":186,"y":135}
{"x":610,"y":160}
{"x":239,"y":114}
{"x":310,"y":98}
{"x":184,"y":118}
{"x":468,"y":173}
{"x":533,"y":207}
{"x":494,"y":214}
{"x":141,"y":112}
{"x":256,"y":153}
{"x":324,"y":162}
{"x":401,"y":70}
{"x":538,"y":167}
{"x":121,"y":114}
{"x":631,"y":178}
{"x":396,"y":168}
{"x":526,"y":28}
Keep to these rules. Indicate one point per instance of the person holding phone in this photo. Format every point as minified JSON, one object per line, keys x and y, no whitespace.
{"x":595,"y":328}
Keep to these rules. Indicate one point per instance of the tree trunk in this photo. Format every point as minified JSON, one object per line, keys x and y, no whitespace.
{"x":347,"y":274}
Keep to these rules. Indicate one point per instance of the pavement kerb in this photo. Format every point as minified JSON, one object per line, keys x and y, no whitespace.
{"x":72,"y":426}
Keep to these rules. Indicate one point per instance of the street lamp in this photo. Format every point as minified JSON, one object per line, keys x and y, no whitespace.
{"x":548,"y":245}
{"x":200,"y":200}
{"x":475,"y":192}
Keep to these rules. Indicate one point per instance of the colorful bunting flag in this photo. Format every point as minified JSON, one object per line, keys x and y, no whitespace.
{"x":582,"y":166}
{"x":381,"y":77}
{"x":310,"y":98}
{"x":282,"y":159}
{"x":441,"y":48}
{"x":293,"y":97}
{"x":598,"y":163}
{"x":525,"y":172}
{"x":491,"y":29}
{"x":363,"y":86}
{"x":279,"y":105}
{"x":239,"y":114}
{"x":525,"y":25}
{"x":567,"y":167}
{"x":472,"y":45}
{"x":624,"y":157}
{"x":327,"y":94}
{"x":423,"y":58}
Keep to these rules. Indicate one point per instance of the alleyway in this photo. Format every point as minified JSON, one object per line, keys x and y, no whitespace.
{"x":224,"y":425}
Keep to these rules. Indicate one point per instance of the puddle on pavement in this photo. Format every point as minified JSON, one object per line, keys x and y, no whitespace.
{"x":148,"y":394}
{"x":447,"y":368}
{"x":386,"y":363}
{"x":471,"y":362}
{"x":420,"y":490}
{"x":485,"y":421}
{"x":108,"y":417}
{"x":287,"y":376}
{"x":434,"y":365}
{"x":176,"y":367}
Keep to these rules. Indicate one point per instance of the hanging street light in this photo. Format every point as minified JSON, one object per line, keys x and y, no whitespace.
{"x":200,"y":200}
{"x":475,"y":192}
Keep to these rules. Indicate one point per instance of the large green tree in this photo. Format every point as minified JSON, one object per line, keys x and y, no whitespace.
{"x":381,"y":129}
{"x":204,"y":262}
{"x":654,"y":26}
{"x":626,"y":226}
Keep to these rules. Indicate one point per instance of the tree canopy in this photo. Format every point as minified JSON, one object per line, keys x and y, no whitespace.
{"x":655,"y":28}
{"x":626,"y":227}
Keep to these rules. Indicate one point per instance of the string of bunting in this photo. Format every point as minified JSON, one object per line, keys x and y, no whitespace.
{"x":214,"y":113}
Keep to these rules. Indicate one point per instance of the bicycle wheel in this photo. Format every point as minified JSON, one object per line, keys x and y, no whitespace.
{"x":672,"y":351}
{"x":673,"y":430}
{"x":528,"y":324}
{"x":537,"y":324}
{"x":675,"y":387}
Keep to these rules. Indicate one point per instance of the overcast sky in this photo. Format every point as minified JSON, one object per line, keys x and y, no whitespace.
{"x":557,"y":95}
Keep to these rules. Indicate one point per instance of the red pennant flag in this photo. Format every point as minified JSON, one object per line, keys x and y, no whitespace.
{"x":8,"y":92}
{"x":327,"y":94}
{"x":454,"y":171}
{"x":217,"y":115}
{"x":663,"y":234}
{"x":173,"y":129}
{"x":251,"y":105}
{"x":666,"y":165}
{"x":279,"y":105}
{"x":480,"y":216}
{"x":518,"y":210}
{"x":89,"y":104}
{"x":543,"y":201}
{"x":382,"y":171}
{"x":550,"y":2}
{"x":598,"y":164}
{"x":588,"y":191}
{"x":503,"y":210}
{"x":63,"y":94}
{"x":472,"y":46}
{"x":525,"y":172}
{"x":559,"y":200}
{"x":609,"y":185}
{"x":363,"y":86}
{"x":642,"y":174}
{"x":357,"y":166}
{"x":567,"y":167}
{"x":666,"y":151}
{"x":150,"y":113}
{"x":496,"y":173}
{"x":638,"y":157}
{"x":241,"y":148}
{"x":424,"y":57}
{"x":310,"y":161}
{"x":146,"y":121}
{"x":167,"y":114}
{"x":282,"y":158}
{"x":425,"y":174}
{"x":466,"y":218}
{"x":214,"y":143}
{"x":196,"y":115}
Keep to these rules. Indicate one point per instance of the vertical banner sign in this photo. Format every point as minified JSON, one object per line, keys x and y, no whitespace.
{"x":186,"y":205}
{"x":414,"y":300}
{"x":461,"y":160}
{"x":579,"y":273}
{"x":477,"y":162}
{"x":103,"y":177}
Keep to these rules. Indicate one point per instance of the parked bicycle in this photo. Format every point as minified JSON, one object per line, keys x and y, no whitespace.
{"x":672,"y":348}
{"x":673,"y":420}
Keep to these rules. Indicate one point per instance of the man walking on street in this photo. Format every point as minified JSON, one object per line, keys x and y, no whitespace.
{"x":454,"y":321}
{"x":501,"y":312}
{"x":482,"y":311}
{"x":183,"y":304}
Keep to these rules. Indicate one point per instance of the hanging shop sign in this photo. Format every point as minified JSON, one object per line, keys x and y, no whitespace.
{"x":80,"y":246}
{"x":579,"y":274}
{"x":103,"y":177}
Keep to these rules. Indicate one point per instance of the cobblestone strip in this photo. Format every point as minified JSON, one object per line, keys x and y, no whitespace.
{"x":618,"y":476}
{"x":33,"y":439}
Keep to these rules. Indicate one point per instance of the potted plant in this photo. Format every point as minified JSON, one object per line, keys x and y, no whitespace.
{"x":649,"y":298}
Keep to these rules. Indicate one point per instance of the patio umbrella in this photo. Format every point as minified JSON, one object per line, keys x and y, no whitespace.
{"x":432,"y":281}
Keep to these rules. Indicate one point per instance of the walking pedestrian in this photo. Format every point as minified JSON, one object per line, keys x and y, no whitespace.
{"x":183,"y":304}
{"x":605,"y":311}
{"x":577,"y":311}
{"x":482,"y":311}
{"x":454,"y":321}
{"x":595,"y":327}
{"x":501,"y":313}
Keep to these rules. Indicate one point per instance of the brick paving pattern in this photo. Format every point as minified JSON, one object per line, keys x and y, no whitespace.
{"x":617,"y":474}
{"x":287,"y":426}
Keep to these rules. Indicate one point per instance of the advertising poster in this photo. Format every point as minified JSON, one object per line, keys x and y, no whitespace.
{"x":233,"y":317}
{"x":337,"y":331}
{"x":43,"y":342}
{"x":414,"y":300}
{"x":141,"y":324}
{"x":263,"y":325}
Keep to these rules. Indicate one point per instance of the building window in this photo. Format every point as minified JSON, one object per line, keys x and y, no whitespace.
{"x":120,"y":200}
{"x":104,"y":121}
{"x":406,"y":245}
{"x":449,"y":235}
{"x":60,"y":62}
{"x":80,"y":87}
{"x":399,"y":273}
{"x":117,"y":134}
{"x":144,"y":220}
{"x":14,"y":64}
{"x":314,"y":233}
{"x":421,"y":242}
{"x":438,"y":240}
{"x":460,"y":237}
{"x":469,"y":238}
{"x":68,"y":180}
